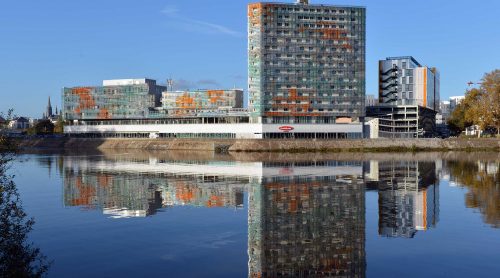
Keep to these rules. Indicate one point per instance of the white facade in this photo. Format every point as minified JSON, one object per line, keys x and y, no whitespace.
{"x":373,"y":128}
{"x":403,"y":81}
{"x":454,"y":101}
{"x":240,"y":130}
{"x":124,"y":82}
{"x":426,"y":87}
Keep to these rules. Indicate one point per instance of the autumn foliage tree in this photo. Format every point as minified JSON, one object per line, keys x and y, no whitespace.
{"x":481,"y":106}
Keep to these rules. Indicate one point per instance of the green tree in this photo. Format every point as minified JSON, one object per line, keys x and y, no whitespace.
{"x":18,"y":256}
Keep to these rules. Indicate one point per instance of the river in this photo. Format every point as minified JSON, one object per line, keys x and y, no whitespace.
{"x":200,"y":214}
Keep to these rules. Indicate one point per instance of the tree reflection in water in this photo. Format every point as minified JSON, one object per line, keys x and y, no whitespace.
{"x":18,"y":257}
{"x":483,"y":181}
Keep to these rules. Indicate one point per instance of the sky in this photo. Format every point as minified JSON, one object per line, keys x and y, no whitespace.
{"x":47,"y":45}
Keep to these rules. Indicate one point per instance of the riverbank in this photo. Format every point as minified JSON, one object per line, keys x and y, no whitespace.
{"x":265,"y":145}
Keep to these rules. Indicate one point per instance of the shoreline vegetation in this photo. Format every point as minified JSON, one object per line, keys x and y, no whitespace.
{"x":266,"y":145}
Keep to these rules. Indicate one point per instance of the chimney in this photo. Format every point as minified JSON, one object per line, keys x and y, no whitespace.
{"x":303,"y":2}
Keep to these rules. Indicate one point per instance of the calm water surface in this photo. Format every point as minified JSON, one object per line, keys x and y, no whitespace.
{"x":264,"y":215}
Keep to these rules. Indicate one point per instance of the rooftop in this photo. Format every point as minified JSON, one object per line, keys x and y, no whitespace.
{"x":404,"y":58}
{"x":124,"y":82}
{"x":297,"y":3}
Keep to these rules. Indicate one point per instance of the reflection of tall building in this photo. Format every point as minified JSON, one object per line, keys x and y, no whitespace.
{"x":304,"y":218}
{"x":307,"y":225}
{"x":408,"y":196}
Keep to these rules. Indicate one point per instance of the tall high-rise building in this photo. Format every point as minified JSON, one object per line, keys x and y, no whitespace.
{"x":306,"y":63}
{"x":404,"y":81}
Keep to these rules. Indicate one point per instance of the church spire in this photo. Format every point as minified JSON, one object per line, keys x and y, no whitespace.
{"x":48,"y":112}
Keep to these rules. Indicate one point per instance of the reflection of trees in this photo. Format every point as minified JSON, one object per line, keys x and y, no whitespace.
{"x":18,"y":257}
{"x":483,"y":185}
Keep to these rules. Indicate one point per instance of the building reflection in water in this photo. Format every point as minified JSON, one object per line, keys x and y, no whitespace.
{"x":308,"y":219}
{"x":134,"y":189}
{"x":305,"y":218}
{"x":408,"y":196}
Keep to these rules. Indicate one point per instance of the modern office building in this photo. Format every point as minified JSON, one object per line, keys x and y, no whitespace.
{"x":404,"y":81}
{"x":199,"y":101}
{"x":306,"y":64}
{"x":127,"y":109}
{"x":306,"y":80}
{"x":409,"y":99}
{"x":115,"y":99}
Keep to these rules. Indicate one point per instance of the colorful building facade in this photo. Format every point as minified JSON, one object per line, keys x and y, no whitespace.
{"x":306,"y":63}
{"x":191,"y":102}
{"x":115,"y":99}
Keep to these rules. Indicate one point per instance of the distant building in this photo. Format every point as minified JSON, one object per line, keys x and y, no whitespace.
{"x":19,"y":123}
{"x":444,"y":112}
{"x":454,"y":101}
{"x":446,"y":108}
{"x":472,"y":130}
{"x":115,"y":99}
{"x":48,"y":111}
{"x":191,"y":102}
{"x":370,"y":100}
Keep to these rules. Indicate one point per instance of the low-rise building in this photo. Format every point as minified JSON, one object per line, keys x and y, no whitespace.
{"x":472,"y":130}
{"x":19,"y":123}
{"x":403,"y":121}
{"x":115,"y":99}
{"x":127,"y":109}
{"x":192,"y":102}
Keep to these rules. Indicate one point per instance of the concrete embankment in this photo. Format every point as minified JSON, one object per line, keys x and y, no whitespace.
{"x":255,"y":145}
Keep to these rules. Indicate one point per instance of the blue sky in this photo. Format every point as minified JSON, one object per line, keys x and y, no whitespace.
{"x":46,"y":45}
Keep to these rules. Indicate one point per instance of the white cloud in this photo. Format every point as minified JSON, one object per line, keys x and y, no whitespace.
{"x":194,"y":25}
